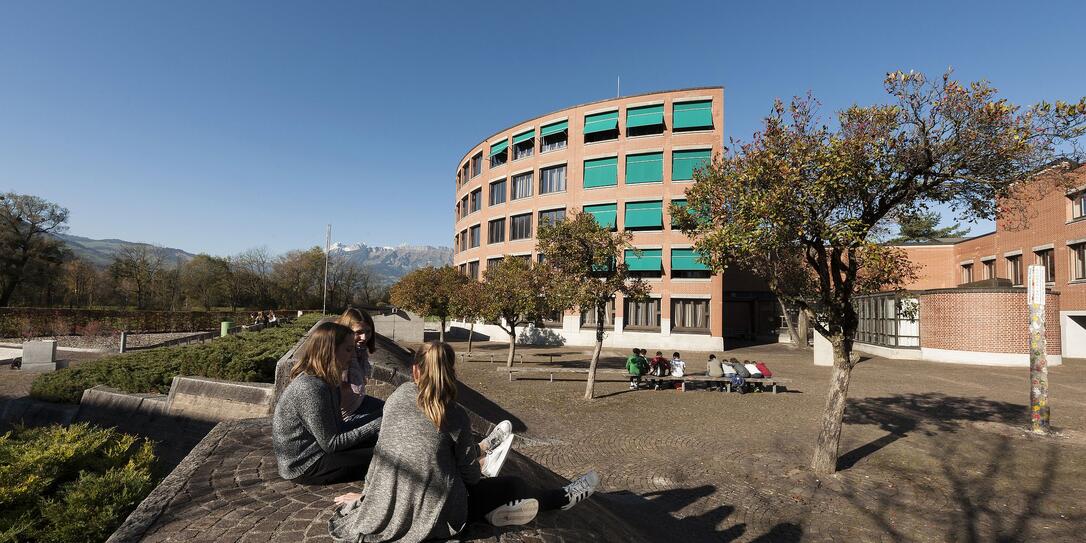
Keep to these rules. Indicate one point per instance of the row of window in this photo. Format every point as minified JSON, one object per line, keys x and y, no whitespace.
{"x":645,"y":263}
{"x":1015,"y":271}
{"x":640,"y":121}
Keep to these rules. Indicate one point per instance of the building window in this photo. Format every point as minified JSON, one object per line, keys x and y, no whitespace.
{"x":463,"y":269}
{"x":689,"y":315}
{"x":522,"y":186}
{"x":644,"y":168}
{"x":989,"y":268}
{"x":497,"y":192}
{"x":685,"y":163}
{"x":645,"y":120}
{"x":495,"y":231}
{"x":649,"y":264}
{"x":1078,"y":261}
{"x":464,"y":172}
{"x":1047,"y":258}
{"x":692,"y":116}
{"x":1078,"y":205}
{"x":1014,"y":269}
{"x":499,"y":153}
{"x":601,"y":172}
{"x":552,"y":179}
{"x":643,"y":315}
{"x":473,"y":236}
{"x":464,"y":207}
{"x":553,"y":319}
{"x":644,"y":215}
{"x":553,"y":136}
{"x":473,"y":270}
{"x":523,"y":145}
{"x":477,"y":164}
{"x":588,"y":316}
{"x":685,"y":265}
{"x":967,"y":273}
{"x":463,"y":240}
{"x":601,"y":127}
{"x":476,"y":200}
{"x":605,"y":214}
{"x":520,"y":226}
{"x":552,"y":216}
{"x":492,"y":262}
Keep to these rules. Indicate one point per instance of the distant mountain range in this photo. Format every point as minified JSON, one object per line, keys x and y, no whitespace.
{"x":390,"y":263}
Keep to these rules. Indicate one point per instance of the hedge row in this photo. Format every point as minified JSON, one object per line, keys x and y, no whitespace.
{"x":75,"y":483}
{"x":33,"y":321}
{"x":247,"y":356}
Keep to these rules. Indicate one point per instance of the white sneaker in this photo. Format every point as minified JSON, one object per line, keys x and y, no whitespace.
{"x":497,"y":435}
{"x":514,"y":513}
{"x":581,"y":488}
{"x":492,"y":464}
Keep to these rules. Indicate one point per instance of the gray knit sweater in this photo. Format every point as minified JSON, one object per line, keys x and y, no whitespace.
{"x":306,"y":426}
{"x":415,"y":488}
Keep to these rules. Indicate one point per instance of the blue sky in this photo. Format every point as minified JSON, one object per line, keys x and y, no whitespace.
{"x":219,"y":126}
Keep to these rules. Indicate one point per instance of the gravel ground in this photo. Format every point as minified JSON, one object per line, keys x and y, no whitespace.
{"x":109,"y":343}
{"x":930,"y":452}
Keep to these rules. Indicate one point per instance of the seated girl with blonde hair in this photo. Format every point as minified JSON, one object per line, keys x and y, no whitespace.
{"x":310,"y":446}
{"x":425,"y":480}
{"x":358,"y":409}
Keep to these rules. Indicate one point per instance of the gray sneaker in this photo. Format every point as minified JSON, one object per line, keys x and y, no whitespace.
{"x":581,"y":488}
{"x":514,"y":513}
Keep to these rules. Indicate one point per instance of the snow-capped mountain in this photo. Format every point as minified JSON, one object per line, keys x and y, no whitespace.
{"x":394,"y":262}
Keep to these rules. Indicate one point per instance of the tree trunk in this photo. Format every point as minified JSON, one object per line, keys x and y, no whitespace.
{"x":471,"y":335}
{"x":804,"y":328}
{"x":441,"y":334}
{"x":591,"y":385}
{"x":792,"y":332}
{"x":829,"y":435}
{"x":512,"y":346}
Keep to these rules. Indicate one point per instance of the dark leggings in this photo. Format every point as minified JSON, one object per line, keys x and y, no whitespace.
{"x":490,"y":493}
{"x":339,"y":466}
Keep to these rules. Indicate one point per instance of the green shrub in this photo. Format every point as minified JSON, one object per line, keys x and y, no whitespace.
{"x":248,"y":356}
{"x":74,"y":483}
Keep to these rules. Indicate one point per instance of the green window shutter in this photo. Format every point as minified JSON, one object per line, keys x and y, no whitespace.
{"x":604,"y":267}
{"x":519,"y":138}
{"x":605,"y":214}
{"x":683,"y":163}
{"x":644,"y":116}
{"x":686,"y":260}
{"x":644,"y":168}
{"x":600,"y":122}
{"x":679,"y":203}
{"x":554,"y":128}
{"x":650,"y":260}
{"x":499,"y":147}
{"x":601,"y":172}
{"x":644,"y":215}
{"x":693,"y":115}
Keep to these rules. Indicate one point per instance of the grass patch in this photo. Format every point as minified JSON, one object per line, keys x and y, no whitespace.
{"x":74,"y":483}
{"x":248,"y":356}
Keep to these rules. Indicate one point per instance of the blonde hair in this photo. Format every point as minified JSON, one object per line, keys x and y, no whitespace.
{"x":319,"y":358}
{"x":437,"y":380}
{"x":353,"y":316}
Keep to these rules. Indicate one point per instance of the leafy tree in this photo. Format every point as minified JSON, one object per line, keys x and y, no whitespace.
{"x":585,"y":256}
{"x":429,"y":291}
{"x":298,"y":277}
{"x":26,"y":223}
{"x":469,"y":305}
{"x":921,"y":225}
{"x":138,"y":266}
{"x":799,"y":187}
{"x":518,"y":293}
{"x":204,"y":279}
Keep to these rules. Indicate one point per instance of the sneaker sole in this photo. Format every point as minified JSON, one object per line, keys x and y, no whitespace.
{"x":515,"y":517}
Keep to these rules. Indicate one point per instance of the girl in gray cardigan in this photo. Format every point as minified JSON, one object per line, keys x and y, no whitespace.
{"x":310,"y":447}
{"x":425,"y":481}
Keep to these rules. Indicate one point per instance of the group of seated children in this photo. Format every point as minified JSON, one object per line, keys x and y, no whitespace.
{"x":637,"y":365}
{"x":736,"y":373}
{"x":425,"y":476}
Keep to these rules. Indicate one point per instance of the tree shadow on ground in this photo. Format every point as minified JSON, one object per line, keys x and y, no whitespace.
{"x":927,"y":412}
{"x":987,"y":496}
{"x":655,"y":515}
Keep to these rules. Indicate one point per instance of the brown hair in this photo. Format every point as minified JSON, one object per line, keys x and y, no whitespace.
{"x":437,"y":380}
{"x":353,"y":316}
{"x":319,"y":358}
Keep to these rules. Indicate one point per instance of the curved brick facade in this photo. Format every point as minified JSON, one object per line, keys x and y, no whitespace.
{"x":989,"y":321}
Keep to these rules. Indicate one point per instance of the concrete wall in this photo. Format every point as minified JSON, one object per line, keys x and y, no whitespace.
{"x":402,"y":326}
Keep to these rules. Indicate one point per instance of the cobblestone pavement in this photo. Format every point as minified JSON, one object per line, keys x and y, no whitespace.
{"x":933,"y":452}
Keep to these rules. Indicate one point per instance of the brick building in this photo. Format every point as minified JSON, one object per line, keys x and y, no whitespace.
{"x":971,"y":293}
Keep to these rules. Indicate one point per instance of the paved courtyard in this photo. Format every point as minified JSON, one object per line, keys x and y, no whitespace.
{"x":931,"y":452}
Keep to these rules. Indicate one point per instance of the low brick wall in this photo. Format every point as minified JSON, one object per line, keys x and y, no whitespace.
{"x":984,"y":320}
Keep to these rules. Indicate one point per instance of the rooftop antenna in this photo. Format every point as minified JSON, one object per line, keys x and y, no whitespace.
{"x":618,"y":87}
{"x":327,"y":248}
